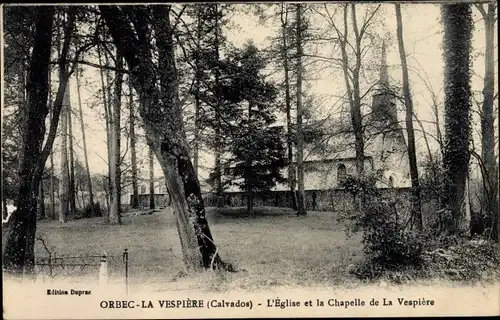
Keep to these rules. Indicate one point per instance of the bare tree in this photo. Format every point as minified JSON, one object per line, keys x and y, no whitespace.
{"x":490,"y":194}
{"x":52,"y":171}
{"x":412,"y":157}
{"x":115,"y":155}
{"x":85,"y":153}
{"x":65,"y":179}
{"x":133,"y":152}
{"x":285,"y":57}
{"x":352,"y":53}
{"x":71,"y":164}
{"x":107,"y":107}
{"x":301,"y":210}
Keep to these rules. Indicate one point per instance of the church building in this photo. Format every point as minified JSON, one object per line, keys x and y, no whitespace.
{"x":385,"y":151}
{"x":385,"y":147}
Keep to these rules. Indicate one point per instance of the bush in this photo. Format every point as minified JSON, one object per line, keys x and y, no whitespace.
{"x":87,"y":211}
{"x":387,"y":242}
{"x":386,"y":238}
{"x":480,"y":224}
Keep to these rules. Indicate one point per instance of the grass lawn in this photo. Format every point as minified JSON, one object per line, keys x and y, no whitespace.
{"x":274,"y":249}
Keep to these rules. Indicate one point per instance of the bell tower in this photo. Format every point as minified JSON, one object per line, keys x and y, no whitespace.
{"x":383,"y":106}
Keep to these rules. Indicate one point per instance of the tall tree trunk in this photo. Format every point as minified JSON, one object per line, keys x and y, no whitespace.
{"x":164,"y":125}
{"x":356,"y":99}
{"x":197,"y":87}
{"x":289,"y":125}
{"x":352,"y":106}
{"x":72,"y":190}
{"x":218,"y":144}
{"x":114,"y":213}
{"x":490,"y":194}
{"x":85,"y":153}
{"x":249,"y":169}
{"x":65,"y":183}
{"x":301,"y":209}
{"x":412,"y":157}
{"x":133,"y":153}
{"x":457,"y":20}
{"x":151,"y":179}
{"x":107,"y":107}
{"x":64,"y":179}
{"x":19,"y":247}
{"x":53,"y":215}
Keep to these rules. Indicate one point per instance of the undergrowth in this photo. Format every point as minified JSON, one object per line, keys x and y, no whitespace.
{"x":397,"y":253}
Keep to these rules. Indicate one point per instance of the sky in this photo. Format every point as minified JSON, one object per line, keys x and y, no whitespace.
{"x":422,"y":36}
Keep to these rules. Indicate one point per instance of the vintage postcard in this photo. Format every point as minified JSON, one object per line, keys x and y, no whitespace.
{"x":245,"y":160}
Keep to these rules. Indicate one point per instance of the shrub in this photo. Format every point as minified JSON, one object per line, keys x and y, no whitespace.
{"x":87,"y":211}
{"x":386,"y":238}
{"x":387,"y":242}
{"x":480,"y":224}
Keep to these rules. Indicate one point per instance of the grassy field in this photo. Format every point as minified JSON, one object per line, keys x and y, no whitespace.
{"x":275,"y":249}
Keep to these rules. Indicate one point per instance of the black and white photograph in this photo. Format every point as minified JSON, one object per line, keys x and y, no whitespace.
{"x":250,"y":159}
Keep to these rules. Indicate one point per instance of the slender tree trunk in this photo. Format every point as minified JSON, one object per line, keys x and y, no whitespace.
{"x":426,"y":139}
{"x":19,"y":247}
{"x":458,"y":25}
{"x":490,"y":194}
{"x":151,"y":179}
{"x":218,"y":144}
{"x":249,"y":169}
{"x":439,"y":134}
{"x":197,"y":100}
{"x":106,"y":191}
{"x":356,"y":98}
{"x":133,"y":153}
{"x":300,"y":138}
{"x":352,"y":106}
{"x":85,"y":153}
{"x":65,"y":183}
{"x":53,"y":215}
{"x":412,"y":157}
{"x":106,"y":102}
{"x":114,"y":213}
{"x":164,"y":126}
{"x":291,"y":166}
{"x":64,"y":180}
{"x":78,"y":191}
{"x":72,"y":191}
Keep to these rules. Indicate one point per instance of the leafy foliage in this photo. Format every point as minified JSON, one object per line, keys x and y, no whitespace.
{"x":257,"y":148}
{"x":431,"y":180}
{"x":463,"y":261}
{"x":387,"y":243}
